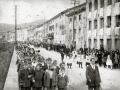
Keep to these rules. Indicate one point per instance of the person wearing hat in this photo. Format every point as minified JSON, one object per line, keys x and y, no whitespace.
{"x":25,"y":77}
{"x":62,"y":80}
{"x":38,"y":74}
{"x":93,"y":76}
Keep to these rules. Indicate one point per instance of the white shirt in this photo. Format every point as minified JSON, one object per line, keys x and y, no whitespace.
{"x":93,"y":66}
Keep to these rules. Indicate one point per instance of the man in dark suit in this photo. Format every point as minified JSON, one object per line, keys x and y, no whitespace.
{"x":93,"y":76}
{"x":25,"y":77}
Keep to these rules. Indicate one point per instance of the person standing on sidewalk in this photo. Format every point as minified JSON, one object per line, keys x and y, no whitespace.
{"x":62,"y":54}
{"x":93,"y":76}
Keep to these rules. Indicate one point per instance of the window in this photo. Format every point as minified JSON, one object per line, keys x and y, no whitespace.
{"x":70,"y":19}
{"x":79,"y":17}
{"x":102,"y":3}
{"x":90,"y":25}
{"x":79,"y":30}
{"x":74,"y":18}
{"x":95,"y":24}
{"x":118,"y":21}
{"x":109,"y":2}
{"x":90,"y":6}
{"x":117,"y":0}
{"x":101,"y":22}
{"x":96,"y":4}
{"x":56,"y":25}
{"x":109,"y":21}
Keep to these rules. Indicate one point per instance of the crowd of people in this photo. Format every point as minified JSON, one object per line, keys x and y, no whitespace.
{"x":106,"y":58}
{"x":37,"y":73}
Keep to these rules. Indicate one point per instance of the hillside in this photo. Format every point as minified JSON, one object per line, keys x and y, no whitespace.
{"x":10,"y":27}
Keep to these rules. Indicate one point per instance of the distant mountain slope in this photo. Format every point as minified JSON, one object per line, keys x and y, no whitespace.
{"x":10,"y":27}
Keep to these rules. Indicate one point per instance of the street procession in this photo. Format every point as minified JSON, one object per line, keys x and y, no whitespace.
{"x":59,"y":44}
{"x":37,"y":73}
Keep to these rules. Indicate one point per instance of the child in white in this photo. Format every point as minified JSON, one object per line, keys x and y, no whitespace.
{"x":69,"y":61}
{"x":109,"y":62}
{"x":88,"y":60}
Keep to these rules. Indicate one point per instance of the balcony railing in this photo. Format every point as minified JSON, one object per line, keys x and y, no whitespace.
{"x":101,"y":32}
{"x":50,"y":36}
{"x":117,"y":31}
{"x":108,"y":31}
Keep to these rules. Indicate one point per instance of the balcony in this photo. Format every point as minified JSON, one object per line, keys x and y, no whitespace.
{"x":89,"y":33}
{"x":50,"y":36}
{"x":108,"y":11}
{"x":101,"y":12}
{"x":101,"y":32}
{"x":89,"y":15}
{"x":95,"y":33}
{"x":117,"y":31}
{"x":95,"y":14}
{"x":108,"y":31}
{"x":117,"y":8}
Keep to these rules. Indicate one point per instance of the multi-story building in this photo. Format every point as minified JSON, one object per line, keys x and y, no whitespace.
{"x":10,"y":36}
{"x":60,"y":29}
{"x":103,"y":24}
{"x":77,"y":17}
{"x":22,"y":34}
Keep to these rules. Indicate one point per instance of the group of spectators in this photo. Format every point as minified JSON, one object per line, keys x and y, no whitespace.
{"x":106,"y":58}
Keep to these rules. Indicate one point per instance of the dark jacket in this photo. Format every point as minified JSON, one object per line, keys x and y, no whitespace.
{"x":37,"y":76}
{"x":62,"y":81}
{"x":24,"y":78}
{"x":93,"y":75}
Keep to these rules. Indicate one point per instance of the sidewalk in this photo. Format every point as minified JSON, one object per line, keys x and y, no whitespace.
{"x":12,"y":77}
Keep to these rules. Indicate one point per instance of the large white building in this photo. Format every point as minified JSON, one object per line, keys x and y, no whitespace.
{"x":22,"y":34}
{"x":10,"y":36}
{"x":77,"y":37}
{"x":59,"y":29}
{"x":103,"y":24}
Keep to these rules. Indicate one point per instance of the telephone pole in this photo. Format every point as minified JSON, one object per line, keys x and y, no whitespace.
{"x":15,"y":24}
{"x":74,"y":2}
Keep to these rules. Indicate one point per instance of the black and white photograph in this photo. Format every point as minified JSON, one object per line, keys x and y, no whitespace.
{"x":59,"y":44}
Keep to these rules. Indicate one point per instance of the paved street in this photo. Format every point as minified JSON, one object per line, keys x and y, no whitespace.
{"x":110,"y":78}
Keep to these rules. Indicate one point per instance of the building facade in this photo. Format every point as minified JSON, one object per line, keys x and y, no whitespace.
{"x":10,"y":36}
{"x":59,"y":29}
{"x":22,"y":34}
{"x":103,"y":24}
{"x":78,"y":20}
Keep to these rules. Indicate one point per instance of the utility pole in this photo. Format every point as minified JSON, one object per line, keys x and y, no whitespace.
{"x":15,"y":24}
{"x":74,"y":2}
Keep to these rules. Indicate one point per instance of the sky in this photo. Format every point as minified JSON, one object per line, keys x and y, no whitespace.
{"x":31,"y":10}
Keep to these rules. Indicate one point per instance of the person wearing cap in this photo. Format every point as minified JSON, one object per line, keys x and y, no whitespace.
{"x":48,"y":75}
{"x":62,"y":80}
{"x":56,"y":67}
{"x":25,"y":77}
{"x":38,"y":74}
{"x":93,"y":76}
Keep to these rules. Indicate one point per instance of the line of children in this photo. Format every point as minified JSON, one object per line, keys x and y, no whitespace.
{"x":37,"y":74}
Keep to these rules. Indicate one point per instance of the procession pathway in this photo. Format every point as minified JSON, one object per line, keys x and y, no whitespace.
{"x":12,"y":76}
{"x":110,"y":78}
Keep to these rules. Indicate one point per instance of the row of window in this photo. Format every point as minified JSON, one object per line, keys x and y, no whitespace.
{"x":102,"y":22}
{"x":70,"y":20}
{"x":109,"y":2}
{"x":109,"y":43}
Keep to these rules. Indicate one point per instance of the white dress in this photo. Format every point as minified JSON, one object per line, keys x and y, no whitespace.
{"x":88,"y":59}
{"x":109,"y":61}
